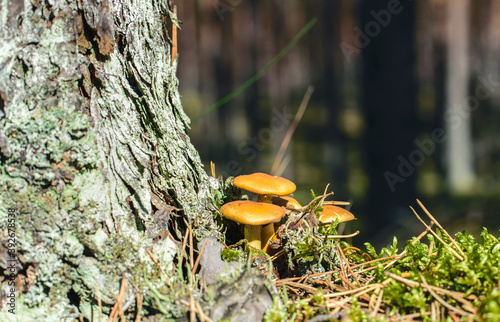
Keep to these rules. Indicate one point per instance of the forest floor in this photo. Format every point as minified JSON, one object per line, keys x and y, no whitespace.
{"x":313,"y":275}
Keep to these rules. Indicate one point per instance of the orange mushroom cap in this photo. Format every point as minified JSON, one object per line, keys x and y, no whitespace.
{"x":331,"y":213}
{"x":252,"y":213}
{"x":284,"y":201}
{"x":264,"y":184}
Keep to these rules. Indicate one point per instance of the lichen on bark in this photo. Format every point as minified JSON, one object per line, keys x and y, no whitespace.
{"x":92,"y":143}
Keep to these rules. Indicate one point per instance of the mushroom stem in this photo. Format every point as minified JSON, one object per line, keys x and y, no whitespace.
{"x":267,"y":232}
{"x":265,"y":198}
{"x":266,"y":247}
{"x":252,"y":234}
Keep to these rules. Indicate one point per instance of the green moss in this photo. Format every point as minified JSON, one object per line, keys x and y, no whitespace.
{"x":230,"y":255}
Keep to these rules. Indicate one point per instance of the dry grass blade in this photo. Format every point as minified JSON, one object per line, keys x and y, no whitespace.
{"x":278,"y":254}
{"x":341,"y":252}
{"x":325,"y":192}
{"x":403,"y":253}
{"x":458,"y":296}
{"x":409,"y":317}
{"x":184,"y":243}
{"x":306,"y":207}
{"x":377,"y":304}
{"x":337,"y":203}
{"x":202,"y":315}
{"x":428,"y":229}
{"x":437,"y":237}
{"x":138,"y":297}
{"x":119,"y":301}
{"x":191,"y":263}
{"x":212,"y":169}
{"x":305,"y":287}
{"x":434,"y":311}
{"x":174,"y":38}
{"x":99,"y":304}
{"x":196,"y":309}
{"x":394,"y":257}
{"x":361,"y":293}
{"x":439,"y":225}
{"x":379,"y":301}
{"x":192,"y":312}
{"x":159,"y":266}
{"x":373,"y":299}
{"x":343,"y":274}
{"x":199,"y":257}
{"x":283,"y":165}
{"x":454,"y":317}
{"x":350,"y":292}
{"x":342,"y":236}
{"x":440,"y":300}
{"x":291,"y":129}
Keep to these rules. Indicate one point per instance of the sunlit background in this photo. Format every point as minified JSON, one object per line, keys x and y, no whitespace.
{"x":405,"y":104}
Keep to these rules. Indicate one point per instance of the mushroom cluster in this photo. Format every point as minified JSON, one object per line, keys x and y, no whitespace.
{"x":254,"y":215}
{"x":258,"y":217}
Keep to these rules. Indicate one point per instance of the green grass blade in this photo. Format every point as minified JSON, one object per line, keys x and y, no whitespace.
{"x":259,"y":74}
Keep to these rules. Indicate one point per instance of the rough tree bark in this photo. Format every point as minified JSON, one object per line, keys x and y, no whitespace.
{"x":92,"y":144}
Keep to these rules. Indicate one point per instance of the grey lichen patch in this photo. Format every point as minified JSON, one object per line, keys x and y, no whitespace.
{"x":212,"y":265}
{"x":48,"y":143}
{"x":89,"y":134}
{"x":25,"y":311}
{"x":94,"y":279}
{"x":247,"y":298}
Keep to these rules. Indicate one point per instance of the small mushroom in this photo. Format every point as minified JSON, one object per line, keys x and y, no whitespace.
{"x":331,"y":213}
{"x":286,"y":201}
{"x":253,"y":215}
{"x":265,"y":186}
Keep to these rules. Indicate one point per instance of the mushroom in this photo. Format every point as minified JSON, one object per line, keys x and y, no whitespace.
{"x":265,"y":186}
{"x":331,"y":213}
{"x":253,"y":215}
{"x":286,"y":201}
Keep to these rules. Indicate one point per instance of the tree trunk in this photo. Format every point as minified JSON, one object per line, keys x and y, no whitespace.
{"x":92,"y":144}
{"x":459,"y":152}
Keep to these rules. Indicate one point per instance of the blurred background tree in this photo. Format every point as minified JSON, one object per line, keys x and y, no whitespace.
{"x":405,"y":103}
